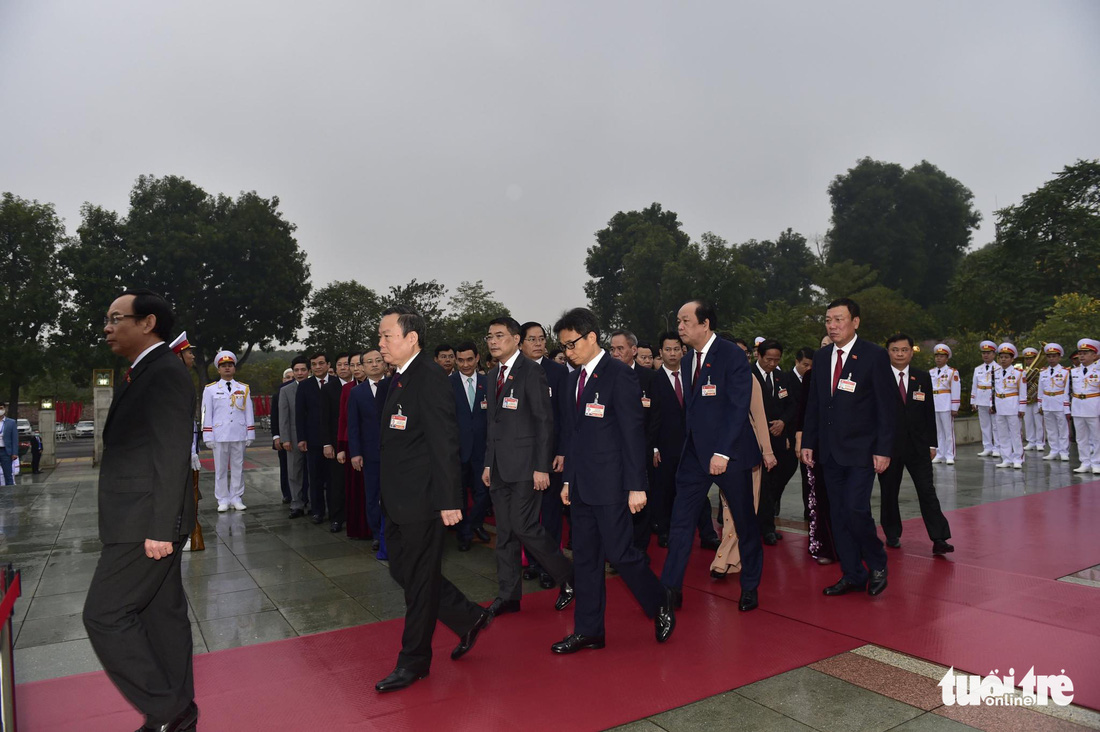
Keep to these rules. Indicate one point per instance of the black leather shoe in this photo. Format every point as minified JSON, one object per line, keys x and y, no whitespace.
{"x":464,"y":545}
{"x":401,"y":678}
{"x":503,"y":607}
{"x":575,"y":642}
{"x":771,"y":538}
{"x":286,"y":501}
{"x":186,"y":721}
{"x":297,"y":513}
{"x":467,"y":641}
{"x":716,"y":575}
{"x":662,"y":541}
{"x":336,"y":527}
{"x":317,"y":519}
{"x":748,"y":601}
{"x":665,"y":621}
{"x":546,"y":581}
{"x":375,"y":545}
{"x":843,"y":587}
{"x":481,"y":534}
{"x":530,"y":573}
{"x":893,"y":543}
{"x":565,"y":595}
{"x":939,"y":546}
{"x":877,"y":583}
{"x":710,"y":544}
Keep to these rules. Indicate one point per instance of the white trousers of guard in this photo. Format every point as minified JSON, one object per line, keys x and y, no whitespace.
{"x":228,"y":471}
{"x":945,"y":435}
{"x":1033,"y":425}
{"x":1009,"y":440}
{"x":1057,"y":429}
{"x":985,"y":420}
{"x":1088,"y":440}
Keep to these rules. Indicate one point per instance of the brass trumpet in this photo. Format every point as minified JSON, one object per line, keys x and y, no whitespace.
{"x":1031,"y":375}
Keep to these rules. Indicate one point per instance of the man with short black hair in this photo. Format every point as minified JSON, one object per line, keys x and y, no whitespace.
{"x":445,"y":357}
{"x":644,"y":355}
{"x":343,"y":367}
{"x":136,"y":610}
{"x":471,"y":408}
{"x":849,"y":428}
{"x":781,"y":407}
{"x":312,"y":416}
{"x":289,"y":439}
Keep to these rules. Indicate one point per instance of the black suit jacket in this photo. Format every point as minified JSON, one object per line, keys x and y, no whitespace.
{"x":556,"y":378}
{"x":520,"y":441}
{"x":145,"y":489}
{"x":605,"y":456}
{"x":311,"y":413}
{"x":646,"y":379}
{"x":472,"y":421}
{"x":851,"y":426}
{"x":719,"y":424}
{"x":782,"y":403}
{"x":670,"y":423}
{"x":330,"y":411}
{"x":916,"y":424}
{"x":420,"y":469}
{"x":365,"y":419}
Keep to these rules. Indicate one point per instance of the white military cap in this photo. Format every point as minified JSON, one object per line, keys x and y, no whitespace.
{"x":224,"y":356}
{"x":942,"y":348}
{"x":1007,"y":347}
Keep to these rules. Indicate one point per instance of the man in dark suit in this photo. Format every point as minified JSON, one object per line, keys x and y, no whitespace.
{"x":719,"y":448}
{"x":604,"y":483}
{"x":288,"y":437}
{"x":518,"y":458}
{"x":365,"y":404}
{"x":849,"y":428}
{"x":421,"y":494}
{"x":533,"y":345}
{"x":311,"y":416}
{"x":472,"y":408}
{"x":276,"y":443}
{"x":915,"y":443}
{"x":780,"y":394}
{"x":136,"y":610}
{"x":331,"y":395}
{"x":624,"y":348}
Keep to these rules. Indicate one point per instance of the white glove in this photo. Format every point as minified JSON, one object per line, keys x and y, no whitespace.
{"x":248,"y":443}
{"x":209,"y":445}
{"x":196,"y":464}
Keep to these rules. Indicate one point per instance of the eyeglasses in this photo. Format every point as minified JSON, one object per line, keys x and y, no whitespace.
{"x":535,"y":339}
{"x":116,"y":319}
{"x":495,"y":337}
{"x":570,"y":345}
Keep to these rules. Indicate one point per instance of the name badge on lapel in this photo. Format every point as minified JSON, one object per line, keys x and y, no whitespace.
{"x":510,"y":402}
{"x":709,"y":389}
{"x":484,"y":404}
{"x":918,"y":395}
{"x":398,"y":421}
{"x":846,"y":384}
{"x":645,"y":401}
{"x":594,"y":408}
{"x":782,"y":393}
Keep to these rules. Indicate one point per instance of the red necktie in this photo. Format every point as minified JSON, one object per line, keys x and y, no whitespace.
{"x":580,"y":387}
{"x":901,"y":386}
{"x":839,"y":365}
{"x":679,"y":389}
{"x":698,"y":369}
{"x":500,"y":380}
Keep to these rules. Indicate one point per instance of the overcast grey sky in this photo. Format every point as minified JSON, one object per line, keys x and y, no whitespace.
{"x":490,"y":140}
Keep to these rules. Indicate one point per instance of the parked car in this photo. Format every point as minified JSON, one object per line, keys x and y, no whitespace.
{"x":85,"y":428}
{"x":24,"y":427}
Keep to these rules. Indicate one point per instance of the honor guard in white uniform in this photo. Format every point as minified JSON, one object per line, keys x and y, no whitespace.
{"x":228,"y":428}
{"x":1085,"y":405}
{"x":1008,"y":404}
{"x":1034,"y":434}
{"x":981,"y":397}
{"x":946,"y":395}
{"x":1054,"y":403}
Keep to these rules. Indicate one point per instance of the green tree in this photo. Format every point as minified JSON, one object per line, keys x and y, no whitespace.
{"x":471,"y":308}
{"x":1072,"y":316}
{"x":784,"y":266}
{"x":231,"y":268}
{"x":794,"y":326}
{"x":841,"y":279}
{"x":709,"y":270}
{"x":343,"y":317}
{"x":30,"y":235}
{"x":617,"y":275}
{"x":911,"y":226}
{"x":1047,"y":245}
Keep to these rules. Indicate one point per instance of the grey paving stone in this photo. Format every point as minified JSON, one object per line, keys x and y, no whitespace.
{"x":319,"y":616}
{"x":51,"y":630}
{"x":53,"y":660}
{"x":228,"y":604}
{"x":245,"y":630}
{"x":216,"y":584}
{"x":929,"y":722}
{"x":285,"y":573}
{"x":726,"y":711}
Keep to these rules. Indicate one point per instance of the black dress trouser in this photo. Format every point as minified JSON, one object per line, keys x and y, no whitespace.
{"x":919,"y":466}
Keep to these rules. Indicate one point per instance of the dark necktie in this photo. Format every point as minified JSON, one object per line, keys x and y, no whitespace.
{"x":698,"y":369}
{"x":771,"y":385}
{"x":500,"y":380}
{"x":679,"y":388}
{"x":580,"y":387}
{"x":839,"y":365}
{"x":901,"y":387}
{"x":229,"y":386}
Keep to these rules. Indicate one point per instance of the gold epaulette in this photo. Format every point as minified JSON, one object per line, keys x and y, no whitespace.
{"x":212,"y":383}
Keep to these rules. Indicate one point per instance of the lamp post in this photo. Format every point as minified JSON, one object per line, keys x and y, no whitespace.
{"x":103,"y":382}
{"x":47,"y":430}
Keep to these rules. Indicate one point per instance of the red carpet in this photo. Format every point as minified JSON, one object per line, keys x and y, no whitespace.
{"x":993,"y":604}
